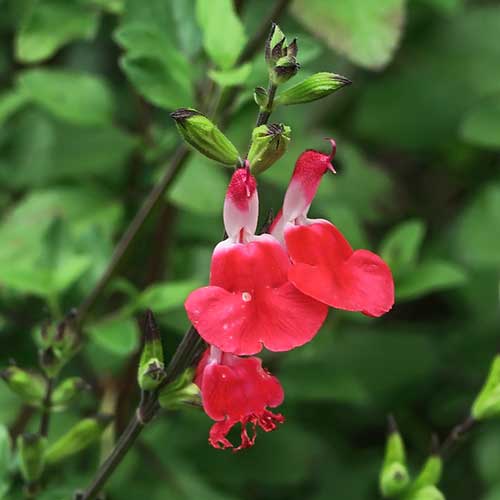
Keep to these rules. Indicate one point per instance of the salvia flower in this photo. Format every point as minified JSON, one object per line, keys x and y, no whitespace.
{"x":324,"y":265}
{"x":250,"y":302}
{"x":237,"y":390}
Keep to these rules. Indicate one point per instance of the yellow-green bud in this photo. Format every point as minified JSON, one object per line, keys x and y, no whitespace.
{"x":426,"y":493}
{"x":269,"y":143}
{"x":29,"y":386}
{"x":82,"y":435}
{"x":67,"y":390}
{"x":260,"y":96}
{"x":31,"y":449}
{"x":151,"y":370}
{"x":394,"y":477}
{"x":285,"y":68}
{"x":429,"y":475}
{"x":198,"y":131}
{"x":313,"y":88}
{"x":487,"y":403}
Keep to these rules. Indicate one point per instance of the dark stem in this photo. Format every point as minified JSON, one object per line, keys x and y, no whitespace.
{"x":47,"y":407}
{"x":179,"y":158}
{"x":266,"y":113}
{"x":456,"y":435}
{"x":125,"y":442}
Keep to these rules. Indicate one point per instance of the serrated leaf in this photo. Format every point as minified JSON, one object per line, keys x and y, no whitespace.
{"x":223,"y":33}
{"x":79,"y":98}
{"x":366,"y":31}
{"x":430,"y":276}
{"x":50,"y":25}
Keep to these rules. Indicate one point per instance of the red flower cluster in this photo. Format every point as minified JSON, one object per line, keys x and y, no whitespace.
{"x":273,"y":291}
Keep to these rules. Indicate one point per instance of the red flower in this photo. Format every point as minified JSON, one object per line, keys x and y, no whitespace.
{"x":250,"y":303}
{"x":236,"y":390}
{"x":324,"y":266}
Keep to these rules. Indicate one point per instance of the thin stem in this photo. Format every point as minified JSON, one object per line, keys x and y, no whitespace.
{"x":179,"y":158}
{"x":127,"y":439}
{"x":456,"y":435}
{"x":265,"y":114}
{"x":47,"y":407}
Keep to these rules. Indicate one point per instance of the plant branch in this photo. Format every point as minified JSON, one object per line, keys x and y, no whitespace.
{"x":456,"y":435}
{"x":265,"y":114}
{"x":47,"y":407}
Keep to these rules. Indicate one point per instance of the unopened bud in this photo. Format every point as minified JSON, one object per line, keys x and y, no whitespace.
{"x":275,"y":45}
{"x":430,"y":473}
{"x":260,"y":96}
{"x":82,"y":435}
{"x":151,"y":374}
{"x":67,"y":390}
{"x":394,"y":476}
{"x":31,"y":456}
{"x":204,"y":136}
{"x":180,"y":392}
{"x":313,"y":88}
{"x":487,"y":403}
{"x":29,"y":386}
{"x":50,"y":361}
{"x":285,"y":68}
{"x":426,"y":493}
{"x":269,"y":143}
{"x":151,"y":370}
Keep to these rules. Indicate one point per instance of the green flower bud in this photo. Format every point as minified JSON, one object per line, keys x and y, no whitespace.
{"x":180,"y":392}
{"x":260,"y":96}
{"x":487,"y":403}
{"x":269,"y":143}
{"x":284,"y":69}
{"x":204,"y":136}
{"x":426,"y":493}
{"x":31,"y":449}
{"x":82,"y":435}
{"x":275,"y":45}
{"x":151,"y":367}
{"x":429,"y":475}
{"x":29,"y":386}
{"x":67,"y":390}
{"x":394,"y":477}
{"x":313,"y":88}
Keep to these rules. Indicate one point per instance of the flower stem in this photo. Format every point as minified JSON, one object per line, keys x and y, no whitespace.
{"x":47,"y":404}
{"x":265,"y":114}
{"x":456,"y":434}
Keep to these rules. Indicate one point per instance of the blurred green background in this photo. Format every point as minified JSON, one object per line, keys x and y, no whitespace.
{"x":85,"y":91}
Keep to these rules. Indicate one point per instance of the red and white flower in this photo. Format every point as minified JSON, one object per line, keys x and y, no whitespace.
{"x":237,"y":390}
{"x":250,"y":302}
{"x":324,"y":266}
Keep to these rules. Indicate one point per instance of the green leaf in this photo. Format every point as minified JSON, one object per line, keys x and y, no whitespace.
{"x":200,"y":187}
{"x":50,"y":25}
{"x":117,"y":335}
{"x":400,"y":248}
{"x":223,"y":33}
{"x":162,"y":297}
{"x":78,"y":98}
{"x":478,"y":236}
{"x":481,"y":125}
{"x":366,"y":31}
{"x":10,"y":102}
{"x":112,"y":6}
{"x":154,"y":66}
{"x":5,"y":453}
{"x":429,"y":276}
{"x":231,"y":77}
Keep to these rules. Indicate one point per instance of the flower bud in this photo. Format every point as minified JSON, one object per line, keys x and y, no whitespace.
{"x":151,"y":366}
{"x":67,"y":390}
{"x":275,"y":45}
{"x":285,"y":68}
{"x":29,"y":386}
{"x":180,"y":392}
{"x":487,"y":403}
{"x":269,"y":143}
{"x":31,"y":449}
{"x":313,"y":88}
{"x":394,"y":476}
{"x":204,"y":136}
{"x":260,"y":96}
{"x":429,"y":475}
{"x":426,"y":493}
{"x":82,"y":435}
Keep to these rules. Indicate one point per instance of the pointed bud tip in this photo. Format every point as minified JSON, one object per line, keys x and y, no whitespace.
{"x":182,"y":114}
{"x":342,"y":80}
{"x":392,"y":426}
{"x":435,"y":448}
{"x":149,"y":327}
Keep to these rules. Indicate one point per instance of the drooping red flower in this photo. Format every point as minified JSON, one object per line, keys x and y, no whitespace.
{"x":250,"y":302}
{"x":324,"y":266}
{"x":237,"y":390}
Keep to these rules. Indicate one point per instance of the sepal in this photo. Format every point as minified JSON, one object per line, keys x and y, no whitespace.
{"x":151,"y":370}
{"x":181,"y":392}
{"x":67,"y":390}
{"x":31,"y":449}
{"x":31,"y":387}
{"x":198,"y":131}
{"x":269,"y":144}
{"x":313,"y":88}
